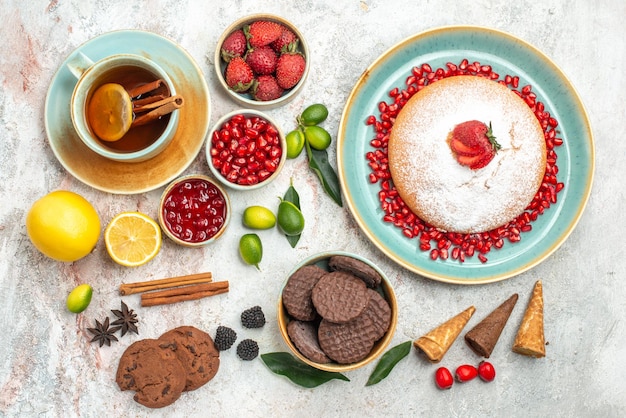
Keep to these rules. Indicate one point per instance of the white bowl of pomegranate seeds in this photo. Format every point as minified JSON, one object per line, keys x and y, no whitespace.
{"x":246,"y":149}
{"x":262,"y":61}
{"x":194,"y":211}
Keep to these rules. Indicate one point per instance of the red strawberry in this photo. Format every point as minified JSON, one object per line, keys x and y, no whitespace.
{"x":289,"y":69}
{"x":239,"y":75}
{"x":266,"y":88}
{"x":461,"y":149}
{"x":473,"y":144}
{"x":234,"y":45}
{"x":262,"y":60}
{"x":262,"y":32}
{"x":285,"y":41}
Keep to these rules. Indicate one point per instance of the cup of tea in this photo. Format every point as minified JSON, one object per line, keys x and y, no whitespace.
{"x":124,"y":107}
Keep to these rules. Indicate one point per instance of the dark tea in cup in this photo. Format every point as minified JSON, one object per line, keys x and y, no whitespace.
{"x":130,"y":78}
{"x":124,"y":107}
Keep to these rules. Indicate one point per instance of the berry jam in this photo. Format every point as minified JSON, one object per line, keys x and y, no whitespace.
{"x":194,"y":210}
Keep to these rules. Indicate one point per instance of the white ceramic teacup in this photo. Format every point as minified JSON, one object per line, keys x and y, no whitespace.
{"x":140,"y":143}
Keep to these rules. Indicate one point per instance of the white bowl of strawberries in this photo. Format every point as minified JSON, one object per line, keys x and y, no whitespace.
{"x":262,"y":61}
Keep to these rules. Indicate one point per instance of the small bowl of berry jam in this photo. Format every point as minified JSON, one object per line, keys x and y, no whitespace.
{"x":246,"y":149}
{"x":194,"y":211}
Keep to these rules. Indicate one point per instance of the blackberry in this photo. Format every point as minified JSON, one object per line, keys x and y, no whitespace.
{"x":248,"y":349}
{"x":253,"y":317}
{"x":224,"y":338}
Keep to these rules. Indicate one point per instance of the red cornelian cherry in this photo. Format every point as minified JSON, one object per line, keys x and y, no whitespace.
{"x":465,"y":373}
{"x":443,"y":378}
{"x":486,"y":371}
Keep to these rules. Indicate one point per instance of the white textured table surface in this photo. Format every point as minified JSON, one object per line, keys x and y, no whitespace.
{"x":48,"y":367}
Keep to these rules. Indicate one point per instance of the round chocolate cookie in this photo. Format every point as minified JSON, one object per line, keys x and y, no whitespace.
{"x":356,"y":267}
{"x":297,"y":292}
{"x":156,"y":375}
{"x":340,"y":297}
{"x":349,"y":342}
{"x":196,"y":352}
{"x":379,"y":312}
{"x":304,"y":336}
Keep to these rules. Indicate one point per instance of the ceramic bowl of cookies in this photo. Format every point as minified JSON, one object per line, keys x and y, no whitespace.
{"x":337,"y":311}
{"x":246,"y":149}
{"x":262,"y":61}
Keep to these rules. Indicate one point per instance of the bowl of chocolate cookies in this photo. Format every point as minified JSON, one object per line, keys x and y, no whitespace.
{"x":337,"y":311}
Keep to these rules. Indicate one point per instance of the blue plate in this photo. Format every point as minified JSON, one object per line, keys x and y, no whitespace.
{"x":128,"y":178}
{"x":507,"y":55}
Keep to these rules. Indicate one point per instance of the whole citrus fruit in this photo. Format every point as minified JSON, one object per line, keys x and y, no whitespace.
{"x":290,"y":218}
{"x":63,"y":225}
{"x":258,"y":217}
{"x":79,"y":298}
{"x":251,"y":249}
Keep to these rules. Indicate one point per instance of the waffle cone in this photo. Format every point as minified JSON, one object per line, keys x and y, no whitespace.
{"x":436,"y":343}
{"x":530,"y":337}
{"x":483,"y":337}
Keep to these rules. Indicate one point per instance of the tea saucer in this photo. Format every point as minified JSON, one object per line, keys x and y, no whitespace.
{"x":129,"y":178}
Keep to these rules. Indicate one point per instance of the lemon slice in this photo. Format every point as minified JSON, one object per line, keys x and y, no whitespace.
{"x":132,"y":239}
{"x":110,"y":112}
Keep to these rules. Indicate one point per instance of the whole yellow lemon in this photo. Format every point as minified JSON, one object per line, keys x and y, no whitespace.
{"x":63,"y":225}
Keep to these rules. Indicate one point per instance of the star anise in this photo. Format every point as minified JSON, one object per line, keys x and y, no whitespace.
{"x":127,"y":319}
{"x":103,"y":333}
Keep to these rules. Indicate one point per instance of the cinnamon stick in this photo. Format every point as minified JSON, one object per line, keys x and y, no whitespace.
{"x":144,"y":105}
{"x":149,"y":99}
{"x":185,"y":293}
{"x":155,"y":114}
{"x":145,"y":88}
{"x":145,"y":286}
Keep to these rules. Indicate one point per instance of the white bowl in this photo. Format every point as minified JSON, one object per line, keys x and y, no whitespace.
{"x":215,"y":156}
{"x":245,"y":99}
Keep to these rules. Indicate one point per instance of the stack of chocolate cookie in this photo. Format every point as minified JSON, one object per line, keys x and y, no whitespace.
{"x":336,"y":315}
{"x":160,"y":370}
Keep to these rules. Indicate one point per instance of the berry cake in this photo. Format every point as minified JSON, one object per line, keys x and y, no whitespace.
{"x":467,"y":154}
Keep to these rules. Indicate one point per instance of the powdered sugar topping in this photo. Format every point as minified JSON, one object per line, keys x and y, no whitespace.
{"x":441,"y":191}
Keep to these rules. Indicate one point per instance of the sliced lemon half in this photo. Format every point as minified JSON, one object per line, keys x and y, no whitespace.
{"x":132,"y":239}
{"x":110,"y":112}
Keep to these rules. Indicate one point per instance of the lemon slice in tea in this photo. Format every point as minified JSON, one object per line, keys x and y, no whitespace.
{"x":132,"y":239}
{"x":110,"y":112}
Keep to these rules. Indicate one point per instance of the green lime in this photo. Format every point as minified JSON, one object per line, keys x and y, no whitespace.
{"x":258,"y":217}
{"x":290,"y":218}
{"x":251,"y":249}
{"x":314,"y":115}
{"x":317,"y":137}
{"x":79,"y":298}
{"x":295,"y":143}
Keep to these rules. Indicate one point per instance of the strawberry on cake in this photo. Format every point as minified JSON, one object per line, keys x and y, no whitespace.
{"x":467,"y":154}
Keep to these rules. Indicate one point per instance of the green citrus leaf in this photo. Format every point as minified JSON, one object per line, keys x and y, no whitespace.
{"x":318,"y":162}
{"x":388,"y":361}
{"x":298,"y":372}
